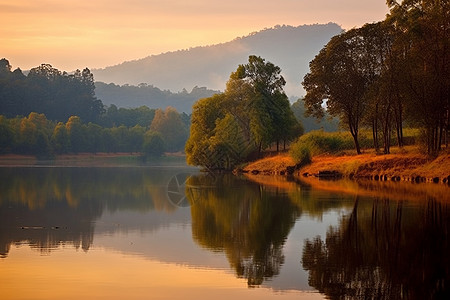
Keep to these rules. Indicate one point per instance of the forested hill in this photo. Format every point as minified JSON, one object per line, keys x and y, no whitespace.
{"x":290,"y":48}
{"x":131,"y":96}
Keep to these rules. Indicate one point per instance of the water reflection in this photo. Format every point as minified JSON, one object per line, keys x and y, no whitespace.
{"x":261,"y":230}
{"x":244,"y":220}
{"x":48,"y":207}
{"x":384,"y":250}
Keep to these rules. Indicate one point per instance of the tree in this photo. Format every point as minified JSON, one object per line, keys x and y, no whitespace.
{"x":153,"y":144}
{"x":6,"y":135}
{"x":423,"y":42}
{"x":253,"y":107}
{"x":76,"y":134}
{"x":171,"y":127}
{"x":271,"y":116}
{"x":60,"y":139}
{"x":205,"y":112}
{"x":339,"y":76}
{"x":48,"y":90}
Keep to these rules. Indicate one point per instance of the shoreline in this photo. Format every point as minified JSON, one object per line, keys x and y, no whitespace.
{"x":89,"y":160}
{"x":403,"y":166}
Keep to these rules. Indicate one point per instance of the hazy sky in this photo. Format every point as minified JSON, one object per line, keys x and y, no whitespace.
{"x":71,"y":34}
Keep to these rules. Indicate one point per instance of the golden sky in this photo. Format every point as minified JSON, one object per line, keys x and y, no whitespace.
{"x":71,"y":34}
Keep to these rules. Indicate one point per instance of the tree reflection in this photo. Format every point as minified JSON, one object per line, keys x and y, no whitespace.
{"x":249,"y":222}
{"x":383,"y":250}
{"x":47,"y":207}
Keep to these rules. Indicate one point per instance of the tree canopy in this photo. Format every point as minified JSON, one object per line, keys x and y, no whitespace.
{"x":252,"y":114}
{"x":384,"y":73}
{"x":47,"y":90}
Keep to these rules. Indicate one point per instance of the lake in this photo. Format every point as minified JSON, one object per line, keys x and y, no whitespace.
{"x":177,"y":233}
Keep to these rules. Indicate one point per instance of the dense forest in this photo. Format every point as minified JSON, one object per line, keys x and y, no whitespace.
{"x":36,"y":135}
{"x":47,"y":90}
{"x":385,"y":74}
{"x":51,"y":112}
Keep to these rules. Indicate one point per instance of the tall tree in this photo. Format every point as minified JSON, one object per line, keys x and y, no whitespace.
{"x":249,"y":116}
{"x":424,"y":41}
{"x":271,"y":115}
{"x":340,"y":76}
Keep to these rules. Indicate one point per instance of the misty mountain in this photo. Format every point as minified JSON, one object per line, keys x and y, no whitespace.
{"x":290,"y":48}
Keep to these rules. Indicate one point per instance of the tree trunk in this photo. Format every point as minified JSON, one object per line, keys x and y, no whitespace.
{"x":376,"y":144}
{"x":387,"y":131}
{"x":355,"y":139}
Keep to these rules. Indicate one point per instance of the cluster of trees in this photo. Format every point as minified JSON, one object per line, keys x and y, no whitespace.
{"x":252,"y":114}
{"x":47,"y":90}
{"x":386,"y":73}
{"x":37,"y":135}
{"x":51,"y":112}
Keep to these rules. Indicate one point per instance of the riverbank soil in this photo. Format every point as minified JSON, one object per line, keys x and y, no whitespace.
{"x":403,"y":165}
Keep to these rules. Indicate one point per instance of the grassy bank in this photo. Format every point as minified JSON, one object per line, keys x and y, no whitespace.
{"x":406,"y":164}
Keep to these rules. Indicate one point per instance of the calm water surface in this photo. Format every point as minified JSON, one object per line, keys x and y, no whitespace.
{"x":174,"y":233}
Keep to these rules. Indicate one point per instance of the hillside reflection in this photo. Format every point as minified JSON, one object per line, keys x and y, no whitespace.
{"x":384,"y":250}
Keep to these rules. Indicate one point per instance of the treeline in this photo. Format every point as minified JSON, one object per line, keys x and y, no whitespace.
{"x":36,"y":135}
{"x":387,"y":73}
{"x":149,"y":95}
{"x":51,"y":112}
{"x":49,"y":91}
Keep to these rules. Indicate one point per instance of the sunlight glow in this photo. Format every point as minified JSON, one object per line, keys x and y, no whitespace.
{"x":73,"y":34}
{"x":112,"y":275}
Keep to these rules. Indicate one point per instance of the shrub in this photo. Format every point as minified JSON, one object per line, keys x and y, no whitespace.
{"x":300,"y":153}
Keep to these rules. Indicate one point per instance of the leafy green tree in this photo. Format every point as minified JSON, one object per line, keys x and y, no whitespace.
{"x":205,"y":112}
{"x":153,"y":144}
{"x":60,"y":139}
{"x":340,"y":76}
{"x":423,"y":43}
{"x":121,"y":137}
{"x":94,"y":142}
{"x":136,"y":138}
{"x":171,"y":127}
{"x":6,"y":134}
{"x":228,"y":143}
{"x":253,"y":107}
{"x":76,"y":134}
{"x":269,"y":106}
{"x":34,"y":135}
{"x":47,"y":90}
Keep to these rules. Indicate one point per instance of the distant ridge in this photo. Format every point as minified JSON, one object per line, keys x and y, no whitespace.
{"x":290,"y":48}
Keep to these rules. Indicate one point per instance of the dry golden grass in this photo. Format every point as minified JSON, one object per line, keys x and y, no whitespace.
{"x":405,"y":163}
{"x":271,"y":165}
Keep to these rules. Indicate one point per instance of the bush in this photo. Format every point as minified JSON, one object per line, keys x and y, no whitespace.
{"x":300,"y":153}
{"x":320,"y":142}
